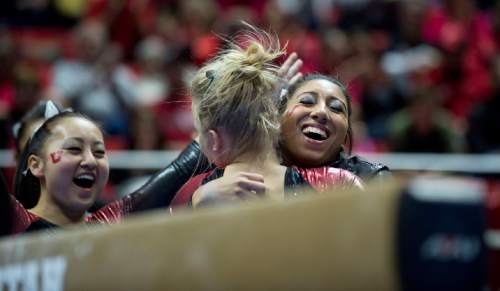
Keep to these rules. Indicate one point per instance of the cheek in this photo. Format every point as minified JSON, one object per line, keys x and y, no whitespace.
{"x":339,"y":120}
{"x":59,"y":163}
{"x":104,"y":171}
{"x":55,"y":157}
{"x":292,"y":112}
{"x":58,"y":175}
{"x":291,"y":118}
{"x":341,"y":126}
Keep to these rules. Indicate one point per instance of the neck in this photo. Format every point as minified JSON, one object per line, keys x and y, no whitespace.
{"x":267,"y":165}
{"x":49,"y":210}
{"x":256,"y":161}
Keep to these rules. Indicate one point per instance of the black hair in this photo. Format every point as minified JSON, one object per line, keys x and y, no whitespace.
{"x":310,"y":77}
{"x":26,"y":185}
{"x":6,"y":206}
{"x":35,"y":113}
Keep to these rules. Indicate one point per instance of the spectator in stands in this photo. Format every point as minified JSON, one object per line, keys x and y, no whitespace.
{"x":7,"y":83}
{"x":151,"y":90}
{"x":28,"y":86}
{"x":424,"y":126}
{"x":484,"y":122}
{"x":235,"y":111}
{"x":97,"y":84}
{"x":465,"y":35}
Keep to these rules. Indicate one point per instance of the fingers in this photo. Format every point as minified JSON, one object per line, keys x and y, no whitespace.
{"x":289,"y":62}
{"x":294,"y":69}
{"x":236,"y":187}
{"x":252,"y":188}
{"x":252,"y":176}
{"x":294,"y":79}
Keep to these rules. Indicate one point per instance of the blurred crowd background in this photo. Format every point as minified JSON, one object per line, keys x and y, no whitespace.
{"x":424,"y":75}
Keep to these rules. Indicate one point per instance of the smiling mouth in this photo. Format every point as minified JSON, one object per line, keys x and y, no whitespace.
{"x":84,"y":180}
{"x":315,"y":133}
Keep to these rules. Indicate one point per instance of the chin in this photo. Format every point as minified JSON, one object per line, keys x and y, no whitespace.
{"x":311,"y":161}
{"x":307,"y":163}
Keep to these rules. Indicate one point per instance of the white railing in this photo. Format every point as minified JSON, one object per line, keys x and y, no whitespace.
{"x":459,"y":163}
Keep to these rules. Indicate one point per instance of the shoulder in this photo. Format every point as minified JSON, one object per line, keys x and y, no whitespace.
{"x":112,"y":212}
{"x":187,"y":190}
{"x":42,"y":224}
{"x":325,"y":178}
{"x":361,"y":167}
{"x":22,"y":218}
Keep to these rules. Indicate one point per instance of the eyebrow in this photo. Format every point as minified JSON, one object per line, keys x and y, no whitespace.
{"x":333,"y":96}
{"x":81,"y":140}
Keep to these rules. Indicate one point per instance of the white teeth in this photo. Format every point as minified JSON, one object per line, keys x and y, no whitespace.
{"x":86,"y":176}
{"x":316,"y":130}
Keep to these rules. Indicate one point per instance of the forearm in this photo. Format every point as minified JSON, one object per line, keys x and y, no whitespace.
{"x":162,"y":187}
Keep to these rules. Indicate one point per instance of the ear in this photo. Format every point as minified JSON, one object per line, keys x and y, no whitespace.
{"x":36,"y":166}
{"x":215,"y":141}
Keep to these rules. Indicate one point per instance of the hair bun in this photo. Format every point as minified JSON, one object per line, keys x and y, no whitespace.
{"x":254,"y":59}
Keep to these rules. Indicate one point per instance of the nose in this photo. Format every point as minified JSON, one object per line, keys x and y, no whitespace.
{"x":319,"y":113}
{"x":88,"y":160}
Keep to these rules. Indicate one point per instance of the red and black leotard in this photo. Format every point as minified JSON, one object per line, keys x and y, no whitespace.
{"x":26,"y":221}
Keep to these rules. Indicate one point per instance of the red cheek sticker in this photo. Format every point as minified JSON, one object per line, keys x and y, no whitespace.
{"x":56,"y":156}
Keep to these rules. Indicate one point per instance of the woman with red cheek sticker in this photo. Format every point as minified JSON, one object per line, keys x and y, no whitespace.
{"x":24,"y":129}
{"x":62,"y":171}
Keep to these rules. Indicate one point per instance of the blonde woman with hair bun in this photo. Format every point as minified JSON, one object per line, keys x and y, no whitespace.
{"x":235,"y":108}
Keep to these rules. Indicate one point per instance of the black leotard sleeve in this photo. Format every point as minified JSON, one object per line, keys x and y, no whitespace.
{"x":161,"y":188}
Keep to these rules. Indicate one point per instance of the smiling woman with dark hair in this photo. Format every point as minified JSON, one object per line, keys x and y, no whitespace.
{"x":316,"y":127}
{"x":62,"y":170}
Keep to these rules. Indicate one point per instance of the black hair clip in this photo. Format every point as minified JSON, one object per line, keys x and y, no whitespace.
{"x":210,"y":74}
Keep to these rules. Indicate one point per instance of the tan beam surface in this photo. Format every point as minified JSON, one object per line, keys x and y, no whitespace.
{"x":341,"y":241}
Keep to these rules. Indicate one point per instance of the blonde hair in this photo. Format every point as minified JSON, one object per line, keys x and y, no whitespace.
{"x":237,"y":91}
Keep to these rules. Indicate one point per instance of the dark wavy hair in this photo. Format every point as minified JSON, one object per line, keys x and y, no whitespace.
{"x":311,"y":77}
{"x":26,"y":185}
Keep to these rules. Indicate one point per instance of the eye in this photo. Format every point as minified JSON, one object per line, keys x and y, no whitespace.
{"x":336,"y":106}
{"x":99,"y":153}
{"x":307,"y":99}
{"x":74,"y":150}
